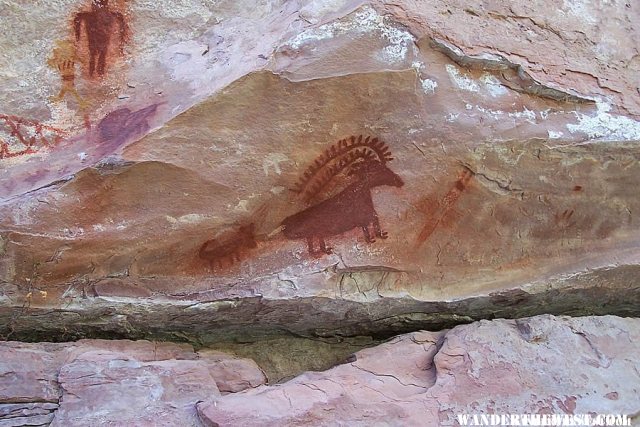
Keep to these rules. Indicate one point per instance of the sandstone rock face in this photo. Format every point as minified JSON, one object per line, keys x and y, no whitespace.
{"x":99,"y":382}
{"x":314,"y":168}
{"x":294,"y":180}
{"x":104,"y":389}
{"x":540,"y":365}
{"x":488,"y":367}
{"x":232,"y":374}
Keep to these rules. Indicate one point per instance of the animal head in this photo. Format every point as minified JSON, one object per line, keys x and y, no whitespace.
{"x":375,"y":174}
{"x":339,"y":157}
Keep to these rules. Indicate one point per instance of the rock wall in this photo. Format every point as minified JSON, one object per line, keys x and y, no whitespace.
{"x":429,"y":378}
{"x":207,"y":171}
{"x":343,"y":168}
{"x":291,"y":181}
{"x":422,"y":378}
{"x":93,"y":382}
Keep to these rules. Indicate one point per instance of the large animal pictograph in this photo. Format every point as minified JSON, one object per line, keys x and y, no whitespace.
{"x":359,"y":160}
{"x":365,"y":161}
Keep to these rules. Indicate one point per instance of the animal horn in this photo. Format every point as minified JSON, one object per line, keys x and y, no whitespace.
{"x":338,"y":157}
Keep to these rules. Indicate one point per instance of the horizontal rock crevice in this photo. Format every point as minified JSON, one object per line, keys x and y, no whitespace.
{"x":606,"y":291}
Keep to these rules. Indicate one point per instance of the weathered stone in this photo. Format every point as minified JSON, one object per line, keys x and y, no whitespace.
{"x":293,"y":180}
{"x":103,"y":387}
{"x":230,"y":373}
{"x":426,"y":378}
{"x":100,"y":381}
{"x":282,"y":358}
{"x":28,"y":373}
{"x":35,"y":420}
{"x":26,"y":414}
{"x":193,"y":187}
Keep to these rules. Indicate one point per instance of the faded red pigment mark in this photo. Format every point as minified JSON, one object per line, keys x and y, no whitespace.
{"x":445,"y":207}
{"x":99,"y":25}
{"x":30,"y":136}
{"x":229,"y":248}
{"x":563,"y":219}
{"x":352,"y":207}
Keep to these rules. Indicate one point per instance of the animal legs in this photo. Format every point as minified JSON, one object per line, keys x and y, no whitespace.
{"x":367,"y":234}
{"x":376,"y":225}
{"x":310,"y":246}
{"x":324,"y":248}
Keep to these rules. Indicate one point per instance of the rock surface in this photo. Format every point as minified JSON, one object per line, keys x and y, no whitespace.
{"x":428,"y":378}
{"x":187,"y":188}
{"x":539,"y":365}
{"x":291,"y":181}
{"x":99,"y":382}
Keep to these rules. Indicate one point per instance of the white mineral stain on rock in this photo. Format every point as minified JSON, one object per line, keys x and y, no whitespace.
{"x":463,"y":82}
{"x":192,"y":219}
{"x":365,"y":20}
{"x":177,"y":8}
{"x":73,"y":232}
{"x":493,"y":85}
{"x":554,"y":134}
{"x":605,"y":126}
{"x":121,"y":363}
{"x":581,"y":10}
{"x":186,"y":219}
{"x":316,"y":9}
{"x":544,"y":114}
{"x":273,"y":160}
{"x":526,"y":114}
{"x":428,"y":86}
{"x":23,"y":214}
{"x":544,"y":179}
{"x":487,"y":83}
{"x":451,"y":117}
{"x":242,"y":206}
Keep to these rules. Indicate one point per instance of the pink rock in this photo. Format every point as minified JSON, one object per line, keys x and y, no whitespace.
{"x":232,"y":374}
{"x":127,"y":382}
{"x":28,"y":372}
{"x":103,"y":387}
{"x":488,"y":367}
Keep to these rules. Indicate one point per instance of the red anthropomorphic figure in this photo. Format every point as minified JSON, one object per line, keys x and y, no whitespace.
{"x":99,"y":25}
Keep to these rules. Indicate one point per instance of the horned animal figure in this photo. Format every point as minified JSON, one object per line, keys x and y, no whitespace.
{"x":352,"y":207}
{"x":229,"y":247}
